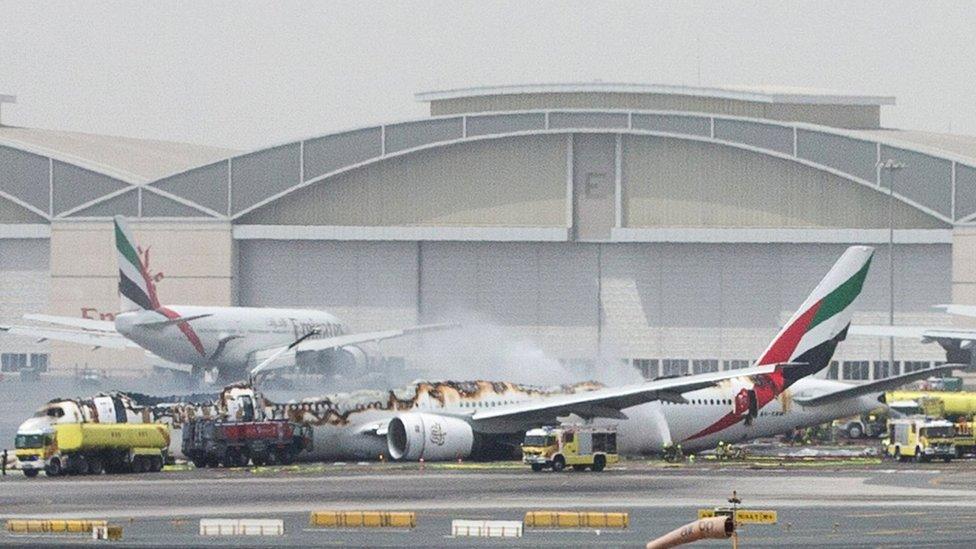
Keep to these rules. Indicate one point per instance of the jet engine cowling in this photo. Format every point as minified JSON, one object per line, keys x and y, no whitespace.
{"x":415,"y":436}
{"x":347,"y":359}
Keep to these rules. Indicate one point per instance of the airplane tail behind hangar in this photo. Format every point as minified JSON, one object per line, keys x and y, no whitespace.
{"x":137,"y":291}
{"x":811,"y":335}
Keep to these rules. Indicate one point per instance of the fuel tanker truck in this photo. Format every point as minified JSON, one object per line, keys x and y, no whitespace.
{"x":91,"y":448}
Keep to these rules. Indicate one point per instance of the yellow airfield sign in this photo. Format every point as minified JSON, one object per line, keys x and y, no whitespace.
{"x":742,"y":516}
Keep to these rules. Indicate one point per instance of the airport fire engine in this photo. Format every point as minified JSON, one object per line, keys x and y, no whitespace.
{"x":921,"y":439}
{"x":577,"y":447}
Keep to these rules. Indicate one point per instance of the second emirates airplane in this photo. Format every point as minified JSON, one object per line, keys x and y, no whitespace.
{"x":231,"y":342}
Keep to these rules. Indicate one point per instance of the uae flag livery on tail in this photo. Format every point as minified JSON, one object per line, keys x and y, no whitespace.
{"x":136,"y":289}
{"x":810,"y":337}
{"x":814,"y":330}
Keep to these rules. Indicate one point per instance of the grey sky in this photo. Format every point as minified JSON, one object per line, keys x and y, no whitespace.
{"x":244,"y":75}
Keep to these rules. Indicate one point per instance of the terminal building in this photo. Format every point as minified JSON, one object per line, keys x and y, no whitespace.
{"x":671,"y":227}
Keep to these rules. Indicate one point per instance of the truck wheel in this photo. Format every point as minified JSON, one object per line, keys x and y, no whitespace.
{"x":599,"y":463}
{"x":156,"y":464}
{"x":53,"y":469}
{"x":199,"y":461}
{"x":558,"y":464}
{"x":855,"y":431}
{"x":230,"y":459}
{"x":30,"y":473}
{"x":535,"y":467}
{"x":78,"y":465}
{"x":94,"y":466}
{"x":286,"y":457}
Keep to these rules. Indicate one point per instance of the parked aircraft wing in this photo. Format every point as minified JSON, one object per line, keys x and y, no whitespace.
{"x":875,"y":387}
{"x":924,"y":333}
{"x":884,"y":330}
{"x":308,"y":343}
{"x":111,"y":340}
{"x":74,"y":322}
{"x":961,"y":310}
{"x":368,"y":337}
{"x":164,"y":322}
{"x":610,"y":401}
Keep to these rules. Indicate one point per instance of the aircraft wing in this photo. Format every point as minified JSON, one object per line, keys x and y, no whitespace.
{"x":74,"y":322}
{"x":309,"y":343}
{"x":924,"y":333}
{"x":875,"y":387}
{"x":961,"y":310}
{"x":610,"y":401}
{"x":112,"y":340}
{"x":368,"y":337}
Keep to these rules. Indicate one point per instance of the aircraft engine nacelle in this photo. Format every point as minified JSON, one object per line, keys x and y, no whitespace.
{"x":347,"y":359}
{"x":415,"y":436}
{"x":352,"y":357}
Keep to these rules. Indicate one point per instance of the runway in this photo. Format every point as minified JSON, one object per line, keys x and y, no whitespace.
{"x":887,"y":506}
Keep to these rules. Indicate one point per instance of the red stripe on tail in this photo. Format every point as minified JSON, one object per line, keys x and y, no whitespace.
{"x":782,"y":349}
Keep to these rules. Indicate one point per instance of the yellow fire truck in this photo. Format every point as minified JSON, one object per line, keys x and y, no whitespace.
{"x":921,"y":439}
{"x":576,"y":447}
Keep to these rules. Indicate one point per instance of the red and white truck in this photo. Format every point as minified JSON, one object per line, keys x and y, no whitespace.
{"x":208,"y":442}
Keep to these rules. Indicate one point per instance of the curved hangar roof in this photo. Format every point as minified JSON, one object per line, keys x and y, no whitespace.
{"x":500,"y":159}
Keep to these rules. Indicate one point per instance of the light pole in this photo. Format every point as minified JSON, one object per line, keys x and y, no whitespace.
{"x":891,"y":166}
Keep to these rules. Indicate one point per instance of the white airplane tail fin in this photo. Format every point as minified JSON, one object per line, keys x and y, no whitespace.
{"x":136,"y":288}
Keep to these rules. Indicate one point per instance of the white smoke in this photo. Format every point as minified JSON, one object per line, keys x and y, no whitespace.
{"x":481,"y":349}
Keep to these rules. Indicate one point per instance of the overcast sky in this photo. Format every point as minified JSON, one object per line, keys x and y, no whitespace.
{"x":243,"y":75}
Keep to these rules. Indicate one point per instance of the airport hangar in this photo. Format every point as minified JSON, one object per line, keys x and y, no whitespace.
{"x":673,"y":227}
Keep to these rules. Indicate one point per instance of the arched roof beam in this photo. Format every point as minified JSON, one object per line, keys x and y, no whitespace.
{"x":787,"y":141}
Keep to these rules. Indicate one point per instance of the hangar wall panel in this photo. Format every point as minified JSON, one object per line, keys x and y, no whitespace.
{"x":369,"y":285}
{"x":516,"y":181}
{"x":25,"y":176}
{"x":24,"y":288}
{"x":924,"y":179}
{"x":11,"y":212}
{"x":542,"y":294}
{"x":256,"y":176}
{"x":675,"y":183}
{"x":727,"y":301}
{"x":206,"y":186}
{"x":74,"y":186}
{"x":194,"y":258}
{"x":965,"y":191}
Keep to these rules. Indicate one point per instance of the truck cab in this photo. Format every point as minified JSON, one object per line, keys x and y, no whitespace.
{"x":32,"y":446}
{"x":578,"y":447}
{"x":920,"y":439}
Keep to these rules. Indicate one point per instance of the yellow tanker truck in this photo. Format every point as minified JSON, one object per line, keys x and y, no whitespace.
{"x":91,"y":448}
{"x":948,"y":404}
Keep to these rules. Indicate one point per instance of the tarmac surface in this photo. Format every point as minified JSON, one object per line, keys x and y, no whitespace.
{"x":819,"y":504}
